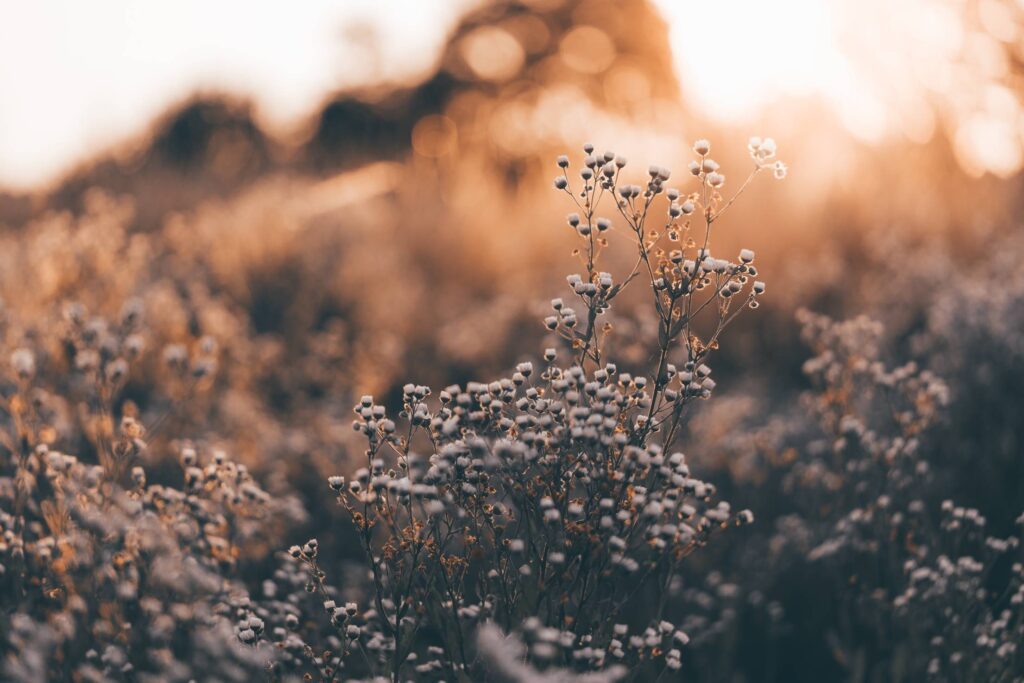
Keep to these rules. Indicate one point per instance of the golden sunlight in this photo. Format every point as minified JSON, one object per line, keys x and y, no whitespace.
{"x":882,"y":68}
{"x":599,"y":341}
{"x":734,"y":68}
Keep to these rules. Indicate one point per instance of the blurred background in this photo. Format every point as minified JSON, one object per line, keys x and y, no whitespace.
{"x":353,"y":195}
{"x":291,"y":155}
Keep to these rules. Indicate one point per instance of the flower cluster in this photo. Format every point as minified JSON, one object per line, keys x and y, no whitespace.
{"x":955,"y":600}
{"x":104,"y":575}
{"x":549,"y":503}
{"x":919,"y":584}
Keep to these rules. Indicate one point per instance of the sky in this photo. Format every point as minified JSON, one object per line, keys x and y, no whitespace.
{"x":77,"y":76}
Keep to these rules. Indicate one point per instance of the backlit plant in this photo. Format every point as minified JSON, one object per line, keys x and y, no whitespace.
{"x":551,"y":502}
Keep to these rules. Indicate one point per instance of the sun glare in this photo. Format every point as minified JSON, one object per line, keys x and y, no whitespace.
{"x":733,"y":69}
{"x":881,"y":68}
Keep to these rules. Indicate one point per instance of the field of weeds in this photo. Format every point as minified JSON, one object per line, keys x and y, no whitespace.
{"x":441,"y":389}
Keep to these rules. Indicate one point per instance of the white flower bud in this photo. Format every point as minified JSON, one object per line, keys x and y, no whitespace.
{"x":24,"y":363}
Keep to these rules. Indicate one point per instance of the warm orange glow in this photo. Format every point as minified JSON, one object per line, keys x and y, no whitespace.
{"x":493,"y":53}
{"x":883,"y":68}
{"x":88,"y":75}
{"x":587,"y":50}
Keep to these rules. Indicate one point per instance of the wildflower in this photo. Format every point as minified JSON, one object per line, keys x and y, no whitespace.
{"x":516,"y":468}
{"x":24,"y":363}
{"x":139,"y":476}
{"x":175,"y":356}
{"x":117,"y":370}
